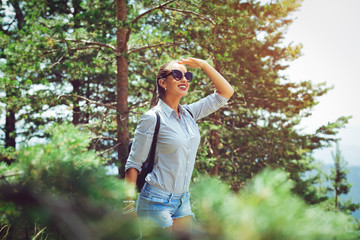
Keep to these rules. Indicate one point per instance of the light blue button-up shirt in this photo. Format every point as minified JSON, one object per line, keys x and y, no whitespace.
{"x":177,"y":143}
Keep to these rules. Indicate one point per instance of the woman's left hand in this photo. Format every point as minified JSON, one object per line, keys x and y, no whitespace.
{"x":193,"y":62}
{"x":222,"y":86}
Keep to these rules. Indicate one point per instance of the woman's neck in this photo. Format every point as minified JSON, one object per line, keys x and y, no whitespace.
{"x":172,"y":103}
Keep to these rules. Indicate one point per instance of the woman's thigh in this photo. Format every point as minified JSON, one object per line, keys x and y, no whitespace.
{"x":183,"y":224}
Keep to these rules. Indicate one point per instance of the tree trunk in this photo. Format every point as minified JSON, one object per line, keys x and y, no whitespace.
{"x":10,"y":125}
{"x":337,"y":179}
{"x":122,"y":86}
{"x":76,"y":83}
{"x":336,"y":199}
{"x":76,"y":110}
{"x":87,"y":95}
{"x":10,"y":130}
{"x":10,"y":121}
{"x":214,"y":136}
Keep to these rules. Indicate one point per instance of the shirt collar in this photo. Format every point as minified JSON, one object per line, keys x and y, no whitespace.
{"x":168,"y":110}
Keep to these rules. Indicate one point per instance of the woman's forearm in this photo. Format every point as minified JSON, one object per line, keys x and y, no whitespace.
{"x":222,"y":86}
{"x":131,"y":175}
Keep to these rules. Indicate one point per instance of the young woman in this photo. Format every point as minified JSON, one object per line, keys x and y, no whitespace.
{"x":164,"y":198}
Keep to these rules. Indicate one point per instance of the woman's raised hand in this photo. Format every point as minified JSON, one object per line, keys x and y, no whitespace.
{"x":222,"y":86}
{"x":193,"y":62}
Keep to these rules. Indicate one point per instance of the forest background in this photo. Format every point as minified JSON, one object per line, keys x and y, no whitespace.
{"x":93,"y":64}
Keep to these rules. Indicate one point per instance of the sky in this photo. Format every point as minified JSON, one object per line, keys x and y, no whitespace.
{"x":330,"y":33}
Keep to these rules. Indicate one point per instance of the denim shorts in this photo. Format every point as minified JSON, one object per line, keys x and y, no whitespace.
{"x":162,"y":207}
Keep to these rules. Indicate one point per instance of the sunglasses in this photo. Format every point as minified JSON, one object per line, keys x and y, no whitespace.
{"x":178,"y":75}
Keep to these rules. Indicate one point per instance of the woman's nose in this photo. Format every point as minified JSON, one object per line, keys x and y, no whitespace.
{"x":183,"y":79}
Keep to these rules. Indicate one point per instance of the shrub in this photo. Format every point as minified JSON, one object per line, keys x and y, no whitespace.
{"x":265,"y":209}
{"x":60,"y":189}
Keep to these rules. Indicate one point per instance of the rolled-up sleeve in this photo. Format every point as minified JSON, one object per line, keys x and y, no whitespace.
{"x":207,"y":105}
{"x":142,"y":141}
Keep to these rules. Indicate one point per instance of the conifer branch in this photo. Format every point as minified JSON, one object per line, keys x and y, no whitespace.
{"x":109,"y":149}
{"x":92,"y":43}
{"x":59,"y":60}
{"x":111,"y":105}
{"x":11,"y":174}
{"x":104,"y":138}
{"x":151,"y":10}
{"x":153,"y":46}
{"x":202,"y":17}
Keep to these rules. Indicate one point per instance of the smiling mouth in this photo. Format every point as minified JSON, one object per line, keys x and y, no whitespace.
{"x":182,"y":87}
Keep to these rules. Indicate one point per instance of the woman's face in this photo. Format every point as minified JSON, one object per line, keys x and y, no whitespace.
{"x":174,"y":87}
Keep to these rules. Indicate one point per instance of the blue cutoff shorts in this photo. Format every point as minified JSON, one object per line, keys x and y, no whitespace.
{"x":162,"y":207}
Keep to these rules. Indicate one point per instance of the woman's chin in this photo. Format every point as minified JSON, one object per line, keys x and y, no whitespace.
{"x":183,"y":93}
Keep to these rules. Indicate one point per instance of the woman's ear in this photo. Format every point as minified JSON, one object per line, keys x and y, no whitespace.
{"x":162,"y":83}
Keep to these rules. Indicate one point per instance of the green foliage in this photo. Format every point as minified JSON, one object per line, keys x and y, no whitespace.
{"x":47,"y":54}
{"x":338,"y":174}
{"x":58,"y":190}
{"x":265,"y":209}
{"x":61,"y":186}
{"x":340,"y":185}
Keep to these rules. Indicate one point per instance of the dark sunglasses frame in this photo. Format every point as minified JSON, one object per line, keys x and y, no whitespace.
{"x":178,"y":75}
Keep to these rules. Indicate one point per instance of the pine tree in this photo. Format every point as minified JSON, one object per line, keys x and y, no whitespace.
{"x":339,"y":184}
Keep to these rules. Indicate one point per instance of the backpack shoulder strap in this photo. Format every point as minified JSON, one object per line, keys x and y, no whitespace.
{"x":157,"y":126}
{"x":190,"y":112}
{"x":153,"y":144}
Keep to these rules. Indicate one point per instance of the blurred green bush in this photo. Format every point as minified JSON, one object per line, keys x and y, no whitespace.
{"x":265,"y":209}
{"x":60,"y":190}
